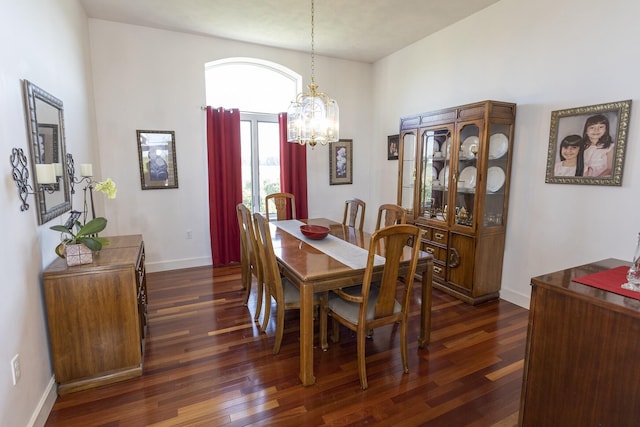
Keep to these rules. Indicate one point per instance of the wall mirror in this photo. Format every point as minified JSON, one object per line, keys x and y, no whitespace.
{"x":45,"y":125}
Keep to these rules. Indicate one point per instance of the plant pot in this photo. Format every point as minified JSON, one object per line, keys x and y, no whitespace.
{"x":78,"y":254}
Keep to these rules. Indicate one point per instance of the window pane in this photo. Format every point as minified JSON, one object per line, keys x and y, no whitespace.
{"x":269,"y":155}
{"x":260,"y":151}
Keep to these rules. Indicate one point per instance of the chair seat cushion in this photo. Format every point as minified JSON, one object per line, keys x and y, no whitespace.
{"x":349,"y":310}
{"x":292,"y":293}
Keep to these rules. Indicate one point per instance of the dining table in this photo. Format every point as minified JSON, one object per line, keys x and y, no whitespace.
{"x":337,"y":261}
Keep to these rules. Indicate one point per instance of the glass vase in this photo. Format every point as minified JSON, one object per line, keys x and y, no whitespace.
{"x":633,"y":275}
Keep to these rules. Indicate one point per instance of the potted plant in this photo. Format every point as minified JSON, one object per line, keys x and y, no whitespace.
{"x":77,"y":247}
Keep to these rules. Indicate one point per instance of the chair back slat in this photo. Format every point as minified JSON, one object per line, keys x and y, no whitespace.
{"x":284,"y":204}
{"x":390,"y":241}
{"x":271,"y":276}
{"x":390,"y":214}
{"x":353,"y":208}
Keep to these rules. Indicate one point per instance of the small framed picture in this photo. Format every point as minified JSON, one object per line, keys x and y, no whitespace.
{"x":341,"y":162}
{"x":157,"y":157}
{"x":392,"y":147}
{"x":587,"y":144}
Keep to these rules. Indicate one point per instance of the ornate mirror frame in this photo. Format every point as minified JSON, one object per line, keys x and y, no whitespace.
{"x":45,"y":125}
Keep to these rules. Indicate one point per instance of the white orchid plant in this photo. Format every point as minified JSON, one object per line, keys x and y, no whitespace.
{"x":108,"y":187}
{"x":75,"y":232}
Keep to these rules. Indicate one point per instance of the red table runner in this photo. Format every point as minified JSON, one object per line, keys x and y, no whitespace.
{"x":610,"y":280}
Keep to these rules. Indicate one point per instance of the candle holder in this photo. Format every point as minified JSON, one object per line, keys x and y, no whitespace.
{"x":20,"y":174}
{"x":633,"y":275}
{"x":71,"y":171}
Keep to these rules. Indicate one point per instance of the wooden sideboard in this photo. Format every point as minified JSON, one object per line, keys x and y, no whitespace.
{"x":96,"y":315}
{"x":583,"y":346}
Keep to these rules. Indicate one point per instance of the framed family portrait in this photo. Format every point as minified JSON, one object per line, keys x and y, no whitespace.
{"x":157,"y":159}
{"x":587,"y":144}
{"x":341,"y":162}
{"x":393,"y":141}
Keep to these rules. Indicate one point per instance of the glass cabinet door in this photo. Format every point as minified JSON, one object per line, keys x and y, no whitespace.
{"x":465,"y":176}
{"x":408,"y":148}
{"x":497,"y":162}
{"x":434,"y":170}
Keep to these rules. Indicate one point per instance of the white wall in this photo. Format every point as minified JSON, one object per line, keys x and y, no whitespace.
{"x":544,"y":55}
{"x":47,"y":43}
{"x":153,"y":79}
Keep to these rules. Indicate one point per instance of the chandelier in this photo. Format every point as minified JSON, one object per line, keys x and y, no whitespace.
{"x":313,"y":116}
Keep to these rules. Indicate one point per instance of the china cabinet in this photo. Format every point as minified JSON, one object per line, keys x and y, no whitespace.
{"x":96,"y":315}
{"x":454,"y":169}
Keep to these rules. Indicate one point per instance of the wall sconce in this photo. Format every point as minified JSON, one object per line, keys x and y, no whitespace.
{"x":46,"y":176}
{"x":86,"y":173}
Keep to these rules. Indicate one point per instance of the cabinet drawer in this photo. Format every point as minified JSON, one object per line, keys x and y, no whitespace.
{"x":427,"y":233}
{"x":440,"y":237}
{"x":438,"y":253}
{"x":439,"y":271}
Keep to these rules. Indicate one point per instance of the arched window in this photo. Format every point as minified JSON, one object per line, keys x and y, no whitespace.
{"x":260,"y":90}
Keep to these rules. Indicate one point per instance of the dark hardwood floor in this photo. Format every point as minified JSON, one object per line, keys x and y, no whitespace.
{"x":206,"y":364}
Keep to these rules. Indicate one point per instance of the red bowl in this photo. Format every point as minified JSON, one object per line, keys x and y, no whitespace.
{"x":315,"y":232}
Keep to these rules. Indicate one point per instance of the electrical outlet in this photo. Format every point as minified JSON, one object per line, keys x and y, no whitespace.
{"x":189,"y":235}
{"x":16,"y":373}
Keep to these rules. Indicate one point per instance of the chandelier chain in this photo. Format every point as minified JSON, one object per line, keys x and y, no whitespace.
{"x":313,"y":64}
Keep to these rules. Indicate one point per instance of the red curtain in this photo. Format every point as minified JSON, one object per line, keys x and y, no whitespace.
{"x":225,"y":183}
{"x":293,"y":169}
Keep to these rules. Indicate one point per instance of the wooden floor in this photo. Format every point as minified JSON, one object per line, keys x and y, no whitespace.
{"x":206,"y":364}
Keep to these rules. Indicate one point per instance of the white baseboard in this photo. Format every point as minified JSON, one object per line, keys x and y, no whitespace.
{"x":177,"y":264}
{"x":48,"y":399}
{"x":516,"y":298}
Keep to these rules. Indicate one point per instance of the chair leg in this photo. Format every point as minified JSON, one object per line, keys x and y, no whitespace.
{"x":259,"y":293}
{"x":403,"y":346}
{"x":267,"y":312}
{"x":279,"y":328}
{"x":323,"y":322}
{"x":362,"y":369}
{"x":246,"y":283}
{"x":335,"y":331}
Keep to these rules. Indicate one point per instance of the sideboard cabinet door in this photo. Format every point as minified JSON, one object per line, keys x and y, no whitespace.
{"x":96,"y":316}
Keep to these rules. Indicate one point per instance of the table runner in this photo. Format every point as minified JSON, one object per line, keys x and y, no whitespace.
{"x":609,"y":280}
{"x":345,"y":252}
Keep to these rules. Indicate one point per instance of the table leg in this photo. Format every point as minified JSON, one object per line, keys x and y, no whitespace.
{"x":306,"y":335}
{"x":425,"y":310}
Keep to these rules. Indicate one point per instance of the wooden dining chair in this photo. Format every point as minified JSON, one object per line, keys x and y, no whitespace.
{"x":251,"y":263}
{"x":285,"y":294}
{"x":353,"y":208}
{"x":363,"y":308}
{"x":389,"y":214}
{"x":284,"y":203}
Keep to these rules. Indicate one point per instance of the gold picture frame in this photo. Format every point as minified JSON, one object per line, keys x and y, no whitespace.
{"x":157,"y":159}
{"x":587,"y":144}
{"x":341,"y":162}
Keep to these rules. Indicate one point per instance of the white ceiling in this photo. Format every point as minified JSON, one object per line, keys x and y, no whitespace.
{"x":361,"y":30}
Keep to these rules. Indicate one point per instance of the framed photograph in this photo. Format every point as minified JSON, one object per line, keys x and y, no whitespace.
{"x":341,"y":162}
{"x":393,"y":141}
{"x":157,"y":157}
{"x":587,"y":144}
